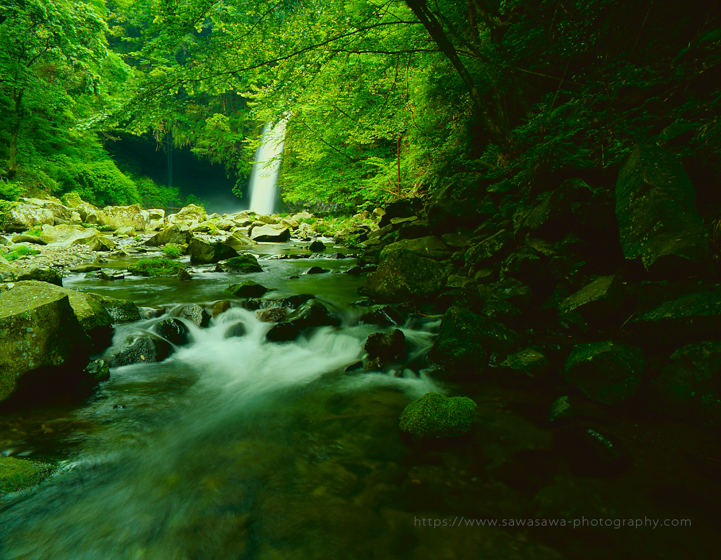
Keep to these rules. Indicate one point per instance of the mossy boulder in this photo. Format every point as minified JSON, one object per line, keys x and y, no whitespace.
{"x":596,"y":301}
{"x":132,"y":216}
{"x":403,"y":274}
{"x":384,"y":348}
{"x":247,"y":289}
{"x":270,"y":233}
{"x":435,"y":416}
{"x":466,"y":340}
{"x":39,"y":273}
{"x":311,"y":314}
{"x":488,"y":250}
{"x":657,"y":217}
{"x":93,"y":240}
{"x":529,"y":363}
{"x":606,"y":372}
{"x":242,"y":264}
{"x":203,"y":252}
{"x":38,"y":329}
{"x":19,"y":474}
{"x":174,"y":234}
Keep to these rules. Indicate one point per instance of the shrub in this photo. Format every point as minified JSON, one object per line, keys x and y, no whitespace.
{"x":156,"y":267}
{"x":173,"y":251}
{"x":20,"y":251}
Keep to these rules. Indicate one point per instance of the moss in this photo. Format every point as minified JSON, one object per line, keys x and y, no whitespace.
{"x":156,"y":267}
{"x":18,"y":474}
{"x":20,"y":251}
{"x":173,"y":251}
{"x":243,"y":263}
{"x":434,"y":416}
{"x":248,"y":289}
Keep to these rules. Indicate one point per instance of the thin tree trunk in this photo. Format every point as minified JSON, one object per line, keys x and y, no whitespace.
{"x":15,"y":136}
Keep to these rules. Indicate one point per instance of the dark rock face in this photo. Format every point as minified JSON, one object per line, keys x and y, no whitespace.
{"x":690,"y":385}
{"x":605,"y":372}
{"x":203,"y":252}
{"x":597,"y":301}
{"x":529,"y":362}
{"x":98,"y":370}
{"x":466,"y":340}
{"x":137,"y":349}
{"x":657,"y":218}
{"x":317,"y":246}
{"x":41,"y":274}
{"x":173,"y":330}
{"x":311,"y":314}
{"x":384,"y":348}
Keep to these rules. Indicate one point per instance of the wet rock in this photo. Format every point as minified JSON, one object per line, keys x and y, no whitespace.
{"x":690,"y":318}
{"x":529,"y":363}
{"x":242,"y":264}
{"x":273,"y":314}
{"x":203,"y":252}
{"x":108,"y":274}
{"x":190,"y":214}
{"x":311,"y":314}
{"x":465,"y":340}
{"x":173,"y":330}
{"x":317,"y":246}
{"x":238,"y":240}
{"x":120,"y":311}
{"x":247,"y":289}
{"x":174,"y":234}
{"x":39,"y":273}
{"x":19,"y":474}
{"x":590,"y":453}
{"x":690,"y":385}
{"x":98,"y":370}
{"x":196,"y":314}
{"x":131,"y":216}
{"x":596,"y":301}
{"x":184,"y":275}
{"x":220,"y":307}
{"x":236,"y":330}
{"x":270,"y":233}
{"x":657,"y":218}
{"x":316,"y":270}
{"x":435,"y":416}
{"x":403,"y":208}
{"x":94,"y":241}
{"x":383,"y":315}
{"x":605,"y":372}
{"x":26,"y":238}
{"x":295,"y":301}
{"x":488,"y":251}
{"x":138,"y":348}
{"x":384,"y":348}
{"x":354,"y":270}
{"x":283,"y":332}
{"x":85,"y":268}
{"x":38,"y":328}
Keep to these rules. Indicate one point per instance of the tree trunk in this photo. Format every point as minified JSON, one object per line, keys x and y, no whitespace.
{"x":15,"y":136}
{"x":434,"y":28}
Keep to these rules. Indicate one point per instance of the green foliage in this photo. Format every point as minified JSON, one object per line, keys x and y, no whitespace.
{"x":10,"y":191}
{"x":172,"y":251}
{"x":20,"y":251}
{"x":156,"y":267}
{"x":153,"y":195}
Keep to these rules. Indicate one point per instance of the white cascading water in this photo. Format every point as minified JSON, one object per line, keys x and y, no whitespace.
{"x":266,"y":167}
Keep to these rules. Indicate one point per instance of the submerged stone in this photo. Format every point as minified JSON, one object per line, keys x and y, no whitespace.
{"x":434,"y":416}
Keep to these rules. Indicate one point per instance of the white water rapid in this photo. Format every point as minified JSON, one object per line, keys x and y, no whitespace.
{"x":266,"y":167}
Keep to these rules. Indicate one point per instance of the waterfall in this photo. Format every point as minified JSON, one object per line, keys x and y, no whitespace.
{"x":265,"y":169}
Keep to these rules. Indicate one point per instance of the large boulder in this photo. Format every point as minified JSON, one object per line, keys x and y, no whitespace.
{"x":156,"y":219}
{"x":201,"y":251}
{"x":132,"y":216}
{"x":311,"y":314}
{"x":242,"y":264}
{"x":93,"y":240}
{"x":605,"y":371}
{"x":63,"y":233}
{"x":657,"y":217}
{"x":238,"y":240}
{"x":38,"y":329}
{"x":23,"y":216}
{"x":435,"y":416}
{"x":466,"y":340}
{"x":189,"y":215}
{"x":175,"y":234}
{"x":405,"y":271}
{"x":384,"y":348}
{"x":270,"y":233}
{"x":596,"y":301}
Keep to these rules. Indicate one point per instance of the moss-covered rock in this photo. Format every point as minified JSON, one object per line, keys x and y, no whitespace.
{"x":311,"y":314}
{"x":247,"y":289}
{"x":605,"y":371}
{"x":99,"y":370}
{"x":174,"y":234}
{"x":529,"y":362}
{"x":203,"y":252}
{"x":488,"y":250}
{"x":403,"y":274}
{"x":242,"y":264}
{"x":657,"y":218}
{"x":384,"y":348}
{"x":596,"y":301}
{"x":19,"y":474}
{"x":434,"y":415}
{"x":38,"y":328}
{"x":124,"y":216}
{"x":39,"y":273}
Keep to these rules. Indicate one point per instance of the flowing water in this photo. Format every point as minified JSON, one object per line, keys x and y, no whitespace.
{"x":238,"y":448}
{"x":265,"y":169}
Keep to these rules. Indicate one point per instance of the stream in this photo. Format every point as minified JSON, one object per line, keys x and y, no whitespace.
{"x":238,"y":448}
